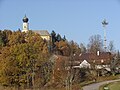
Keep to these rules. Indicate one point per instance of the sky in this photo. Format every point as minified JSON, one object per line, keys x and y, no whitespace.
{"x":76,"y":19}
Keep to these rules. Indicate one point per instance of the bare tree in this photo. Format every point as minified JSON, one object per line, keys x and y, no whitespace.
{"x":83,"y":48}
{"x":95,"y":44}
{"x":111,"y":47}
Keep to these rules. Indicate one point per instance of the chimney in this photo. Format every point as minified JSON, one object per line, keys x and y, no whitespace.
{"x":98,"y":53}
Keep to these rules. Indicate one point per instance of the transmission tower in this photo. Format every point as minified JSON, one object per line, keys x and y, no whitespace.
{"x":105,"y":23}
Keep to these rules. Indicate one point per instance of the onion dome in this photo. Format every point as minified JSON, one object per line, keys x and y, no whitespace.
{"x":25,"y":19}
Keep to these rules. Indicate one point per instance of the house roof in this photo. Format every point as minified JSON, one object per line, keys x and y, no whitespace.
{"x":59,"y":61}
{"x":42,"y":32}
{"x":103,"y":57}
{"x":91,"y":58}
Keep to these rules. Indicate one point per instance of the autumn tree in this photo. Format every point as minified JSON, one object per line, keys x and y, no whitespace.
{"x":1,"y":39}
{"x":74,"y":47}
{"x":5,"y":35}
{"x":4,"y":38}
{"x":21,"y":60}
{"x":16,"y":38}
{"x":62,"y":48}
{"x":59,"y":44}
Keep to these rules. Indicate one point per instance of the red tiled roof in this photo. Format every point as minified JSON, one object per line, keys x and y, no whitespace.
{"x":92,"y":58}
{"x":103,"y":57}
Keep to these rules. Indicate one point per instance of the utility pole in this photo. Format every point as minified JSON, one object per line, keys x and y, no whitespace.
{"x":105,"y":23}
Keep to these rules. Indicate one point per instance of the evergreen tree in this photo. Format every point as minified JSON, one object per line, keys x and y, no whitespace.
{"x":58,"y":37}
{"x":53,"y":35}
{"x":64,"y":38}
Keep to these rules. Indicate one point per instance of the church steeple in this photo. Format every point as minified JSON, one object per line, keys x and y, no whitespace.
{"x":25,"y":24}
{"x":25,"y":19}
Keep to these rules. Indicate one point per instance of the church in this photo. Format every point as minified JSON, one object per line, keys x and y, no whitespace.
{"x":43,"y":33}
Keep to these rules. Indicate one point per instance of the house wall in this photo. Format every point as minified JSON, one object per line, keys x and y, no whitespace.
{"x":102,"y":66}
{"x":46,"y":38}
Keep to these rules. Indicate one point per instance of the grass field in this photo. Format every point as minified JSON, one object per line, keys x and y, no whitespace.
{"x":111,"y":86}
{"x":114,"y":86}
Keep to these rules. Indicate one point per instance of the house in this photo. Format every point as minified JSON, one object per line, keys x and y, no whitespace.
{"x":83,"y":64}
{"x":97,"y":60}
{"x":44,"y":34}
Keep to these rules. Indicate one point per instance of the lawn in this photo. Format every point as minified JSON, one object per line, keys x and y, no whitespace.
{"x":114,"y":86}
{"x":111,"y":86}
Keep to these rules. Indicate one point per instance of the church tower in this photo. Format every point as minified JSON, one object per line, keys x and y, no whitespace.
{"x":25,"y":24}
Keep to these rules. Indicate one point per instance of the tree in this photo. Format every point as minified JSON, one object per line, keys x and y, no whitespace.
{"x":53,"y":35}
{"x":64,"y":38}
{"x":115,"y":62}
{"x":1,"y":42}
{"x":4,"y":37}
{"x":1,"y":39}
{"x":58,"y":37}
{"x":8,"y":71}
{"x":111,"y":46}
{"x":16,"y":38}
{"x":62,"y":48}
{"x":6,"y":34}
{"x":74,"y":47}
{"x":56,"y":41}
{"x":20,"y":62}
{"x":83,"y":48}
{"x":95,"y":44}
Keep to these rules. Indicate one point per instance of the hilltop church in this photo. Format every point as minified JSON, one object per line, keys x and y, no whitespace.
{"x":43,"y":33}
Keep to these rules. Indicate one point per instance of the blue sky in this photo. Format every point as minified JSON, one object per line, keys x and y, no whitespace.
{"x":77,"y":19}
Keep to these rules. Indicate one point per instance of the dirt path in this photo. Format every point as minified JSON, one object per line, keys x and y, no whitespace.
{"x":95,"y":86}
